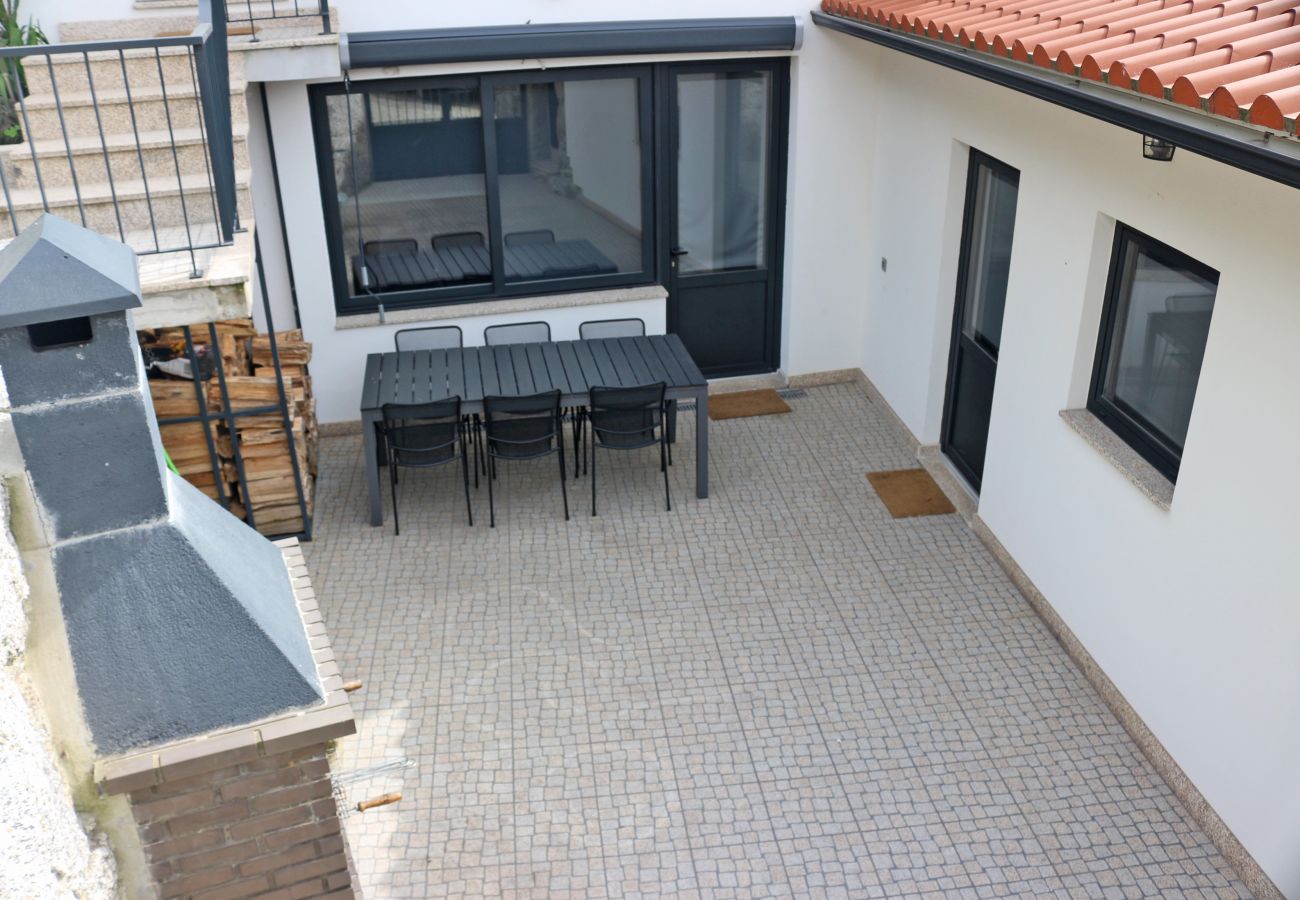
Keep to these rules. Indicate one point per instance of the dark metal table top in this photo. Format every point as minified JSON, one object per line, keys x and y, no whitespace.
{"x":574,"y":367}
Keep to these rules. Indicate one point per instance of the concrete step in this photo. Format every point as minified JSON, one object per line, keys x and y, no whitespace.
{"x":151,"y":108}
{"x":170,"y":17}
{"x":222,"y":291}
{"x":105,"y":70}
{"x":174,"y":296}
{"x":92,"y":160}
{"x":127,"y":207}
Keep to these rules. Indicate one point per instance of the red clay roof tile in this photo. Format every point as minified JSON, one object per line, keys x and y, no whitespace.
{"x":1234,"y":58}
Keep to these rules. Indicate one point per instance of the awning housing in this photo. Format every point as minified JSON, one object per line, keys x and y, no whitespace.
{"x":424,"y":46}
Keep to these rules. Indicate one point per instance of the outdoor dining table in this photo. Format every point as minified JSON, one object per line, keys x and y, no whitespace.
{"x":574,"y":367}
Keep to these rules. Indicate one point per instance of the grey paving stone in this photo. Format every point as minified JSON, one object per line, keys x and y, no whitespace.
{"x":780,"y":691}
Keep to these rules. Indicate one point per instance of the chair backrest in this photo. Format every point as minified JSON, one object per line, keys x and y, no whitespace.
{"x":517,"y":333}
{"x":458,"y":239}
{"x":627,"y":416}
{"x":537,"y":236}
{"x":421,"y":434}
{"x":393,"y":245}
{"x":442,"y":337}
{"x":522,"y":426}
{"x":611,"y":328}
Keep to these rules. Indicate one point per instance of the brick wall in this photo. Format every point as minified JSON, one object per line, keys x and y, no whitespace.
{"x":265,"y":828}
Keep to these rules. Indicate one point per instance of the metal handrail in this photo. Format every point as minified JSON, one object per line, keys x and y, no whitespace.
{"x":200,"y":34}
{"x":203,"y":223}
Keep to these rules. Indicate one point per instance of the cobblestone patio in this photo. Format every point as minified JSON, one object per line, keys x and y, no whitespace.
{"x":778,"y":691}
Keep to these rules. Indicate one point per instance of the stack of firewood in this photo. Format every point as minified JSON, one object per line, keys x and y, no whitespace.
{"x":270,"y":490}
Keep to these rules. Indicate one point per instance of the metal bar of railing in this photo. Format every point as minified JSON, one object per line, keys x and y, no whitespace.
{"x":103,"y":145}
{"x":67,"y":144}
{"x":205,"y":58}
{"x":228,"y":414}
{"x":203,"y":137}
{"x":180,"y":40}
{"x":17,"y":82}
{"x":200,"y":396}
{"x":212,"y":60}
{"x":287,"y":418}
{"x":139,"y":152}
{"x":195,"y":272}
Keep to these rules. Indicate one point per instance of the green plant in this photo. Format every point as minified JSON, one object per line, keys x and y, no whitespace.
{"x":13,"y":83}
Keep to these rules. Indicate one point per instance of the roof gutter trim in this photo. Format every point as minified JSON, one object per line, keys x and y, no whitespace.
{"x":1132,"y":114}
{"x":373,"y":49}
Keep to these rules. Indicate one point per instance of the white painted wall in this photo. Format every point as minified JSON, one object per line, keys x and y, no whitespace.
{"x":823,"y":280}
{"x":1192,"y":612}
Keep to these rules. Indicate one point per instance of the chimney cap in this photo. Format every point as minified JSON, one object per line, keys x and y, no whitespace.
{"x":56,"y":270}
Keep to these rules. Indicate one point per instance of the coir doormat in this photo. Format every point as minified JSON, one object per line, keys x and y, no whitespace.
{"x":910,"y":492}
{"x":742,"y":404}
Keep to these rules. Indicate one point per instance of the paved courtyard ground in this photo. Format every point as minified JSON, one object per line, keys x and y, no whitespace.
{"x":776,"y":691}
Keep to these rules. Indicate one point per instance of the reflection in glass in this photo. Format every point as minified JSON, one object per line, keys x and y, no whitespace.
{"x":569,"y":163}
{"x":992,"y":228}
{"x":1162,"y":321}
{"x":411,"y":190}
{"x":722,"y":169}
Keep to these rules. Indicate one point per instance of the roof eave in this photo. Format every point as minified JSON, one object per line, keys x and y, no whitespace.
{"x":1235,"y":144}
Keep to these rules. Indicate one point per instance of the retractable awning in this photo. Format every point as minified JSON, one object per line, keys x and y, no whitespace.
{"x":370,"y":49}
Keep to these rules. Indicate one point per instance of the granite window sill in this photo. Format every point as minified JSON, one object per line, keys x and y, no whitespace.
{"x":1140,"y":473}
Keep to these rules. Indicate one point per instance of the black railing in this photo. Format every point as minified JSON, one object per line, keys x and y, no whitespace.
{"x":230,"y":418}
{"x":254,"y":11}
{"x":131,"y":137}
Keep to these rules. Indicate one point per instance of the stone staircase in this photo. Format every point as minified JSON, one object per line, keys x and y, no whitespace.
{"x":144,"y":127}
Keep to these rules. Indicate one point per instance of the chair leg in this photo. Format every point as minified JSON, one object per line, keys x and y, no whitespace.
{"x":577,"y":439}
{"x":392,"y":483}
{"x":464,"y":466}
{"x":564,"y":490}
{"x":593,"y":477}
{"x":492,"y":508}
{"x":670,"y":428}
{"x":664,"y":449}
{"x":473,"y":431}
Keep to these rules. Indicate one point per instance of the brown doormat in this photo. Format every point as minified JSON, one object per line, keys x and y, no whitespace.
{"x":741,"y":404}
{"x":910,"y":492}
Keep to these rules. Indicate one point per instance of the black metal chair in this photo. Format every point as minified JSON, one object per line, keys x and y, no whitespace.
{"x":443,"y":337}
{"x":611,"y":328}
{"x":392,"y":245}
{"x":516,"y":333}
{"x":596,"y":329}
{"x":629,"y":418}
{"x":423,"y":436}
{"x":527,"y":427}
{"x":537,"y":236}
{"x":458,"y":239}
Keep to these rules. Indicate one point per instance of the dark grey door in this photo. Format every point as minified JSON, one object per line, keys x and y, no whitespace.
{"x":725,"y":195}
{"x":984,"y":264}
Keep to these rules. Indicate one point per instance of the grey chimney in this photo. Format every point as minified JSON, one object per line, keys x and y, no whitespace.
{"x":180,"y":618}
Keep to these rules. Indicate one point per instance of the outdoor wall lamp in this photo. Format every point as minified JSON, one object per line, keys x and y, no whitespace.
{"x":1157,"y":148}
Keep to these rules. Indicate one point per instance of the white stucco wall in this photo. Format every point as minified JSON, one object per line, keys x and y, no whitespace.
{"x":823,"y":270}
{"x":1193,"y":611}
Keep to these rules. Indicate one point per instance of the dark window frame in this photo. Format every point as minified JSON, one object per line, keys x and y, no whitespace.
{"x":1126,"y":422}
{"x":976,"y":160}
{"x":348,"y":303}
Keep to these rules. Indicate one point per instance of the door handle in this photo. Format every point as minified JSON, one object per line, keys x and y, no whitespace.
{"x":678,"y":251}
